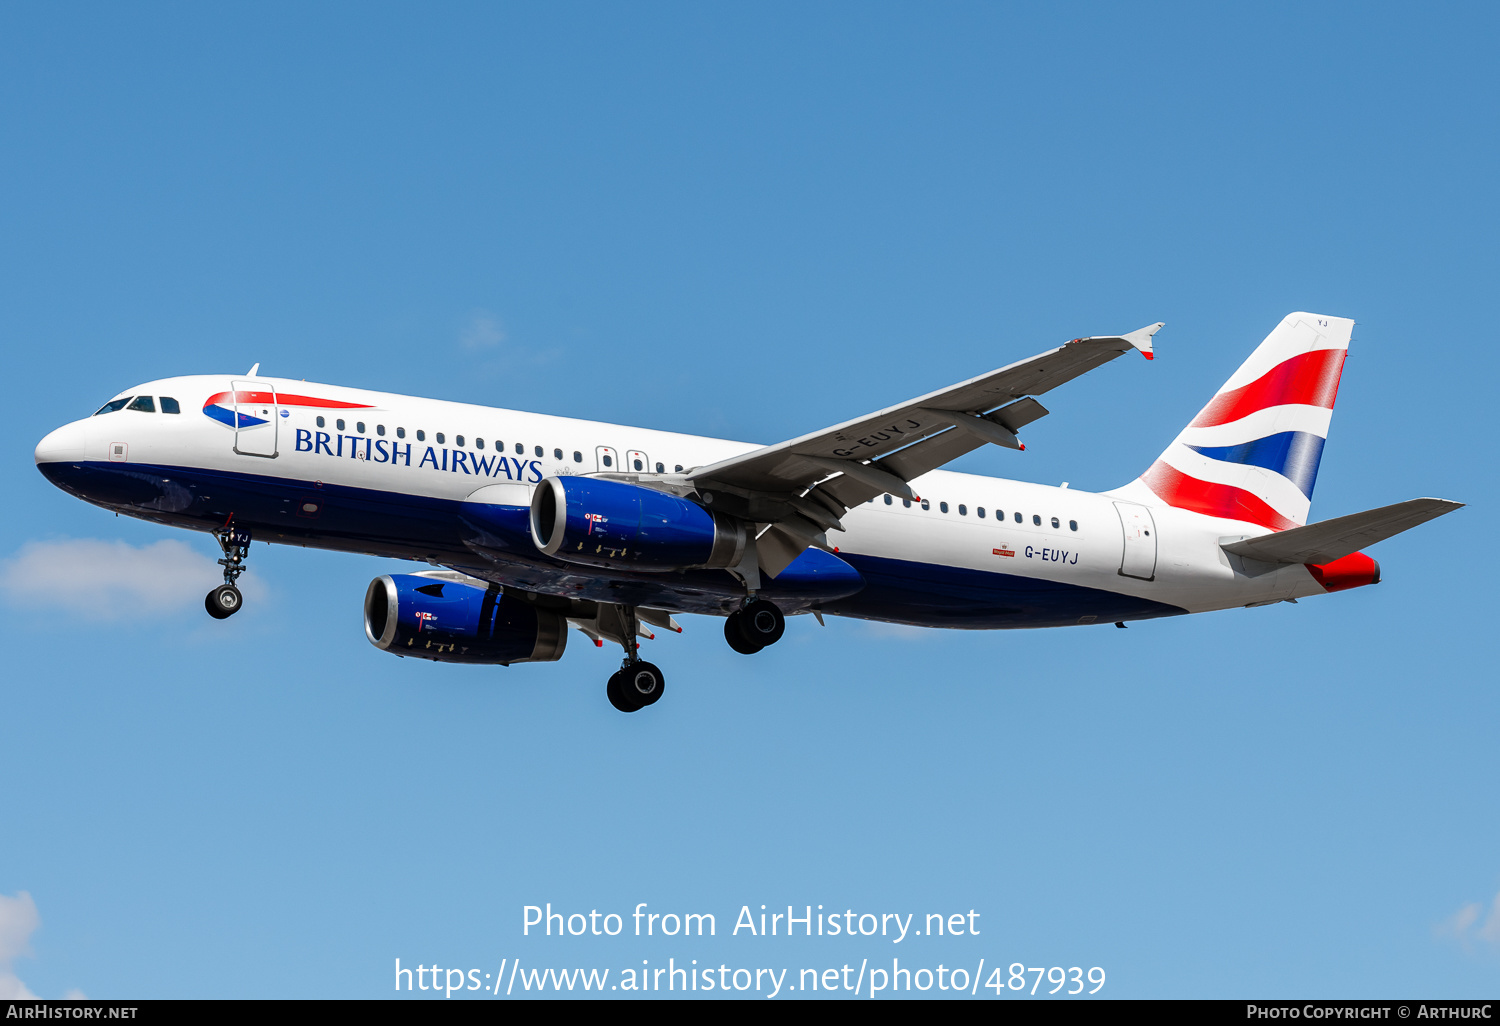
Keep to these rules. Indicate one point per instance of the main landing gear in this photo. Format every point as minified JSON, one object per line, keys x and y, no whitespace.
{"x":637,"y":683}
{"x":758,"y":624}
{"x":225,"y":600}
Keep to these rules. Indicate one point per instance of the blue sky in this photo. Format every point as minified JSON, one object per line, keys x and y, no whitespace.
{"x":750,"y":222}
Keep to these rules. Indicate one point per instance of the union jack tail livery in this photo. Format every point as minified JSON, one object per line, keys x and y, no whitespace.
{"x":1252,"y":453}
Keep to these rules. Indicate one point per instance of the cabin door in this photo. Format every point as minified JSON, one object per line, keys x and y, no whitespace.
{"x":255,"y":417}
{"x":1139,"y":556}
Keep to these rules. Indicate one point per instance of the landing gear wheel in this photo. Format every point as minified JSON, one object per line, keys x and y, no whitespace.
{"x":635,"y":686}
{"x":761,"y":623}
{"x":736,"y":637}
{"x":617,"y":697}
{"x":642,"y":683}
{"x":224,"y":601}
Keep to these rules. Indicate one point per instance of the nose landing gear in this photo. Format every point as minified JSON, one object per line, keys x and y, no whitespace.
{"x":758,"y":624}
{"x":226,"y":600}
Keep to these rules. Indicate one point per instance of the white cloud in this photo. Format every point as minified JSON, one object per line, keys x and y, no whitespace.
{"x":105,"y":580}
{"x":18,"y":921}
{"x":1465,"y":926}
{"x":482,"y":332}
{"x":1490,"y":931}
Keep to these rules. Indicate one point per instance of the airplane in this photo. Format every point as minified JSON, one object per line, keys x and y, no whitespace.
{"x":532,"y":523}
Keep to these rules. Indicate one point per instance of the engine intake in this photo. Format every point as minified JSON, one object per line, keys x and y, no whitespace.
{"x":620,"y":525}
{"x":454,"y":622}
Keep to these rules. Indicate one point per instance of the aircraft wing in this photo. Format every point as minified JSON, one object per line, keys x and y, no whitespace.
{"x":801,"y":488}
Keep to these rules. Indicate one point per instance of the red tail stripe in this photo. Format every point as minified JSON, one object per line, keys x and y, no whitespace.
{"x":1216,"y":500}
{"x":286,"y":399}
{"x":1311,"y":379}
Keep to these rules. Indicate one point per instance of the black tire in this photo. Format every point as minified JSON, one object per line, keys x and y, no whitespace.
{"x":224,"y":601}
{"x":736,"y":639}
{"x":642,"y":683}
{"x":761,"y":623}
{"x":616,"y":692}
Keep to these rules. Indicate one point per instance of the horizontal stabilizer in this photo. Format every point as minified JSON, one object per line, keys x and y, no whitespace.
{"x":1334,"y":539}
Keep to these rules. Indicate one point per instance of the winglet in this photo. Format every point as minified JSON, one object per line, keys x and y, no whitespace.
{"x":1141,"y":338}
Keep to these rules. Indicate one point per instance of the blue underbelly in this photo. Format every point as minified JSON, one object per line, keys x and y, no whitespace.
{"x":931,"y":595}
{"x":497,"y":545}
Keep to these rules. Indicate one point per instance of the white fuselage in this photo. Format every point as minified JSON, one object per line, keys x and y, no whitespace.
{"x":403,"y":450}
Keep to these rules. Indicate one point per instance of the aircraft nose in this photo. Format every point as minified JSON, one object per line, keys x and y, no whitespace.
{"x":66,"y":443}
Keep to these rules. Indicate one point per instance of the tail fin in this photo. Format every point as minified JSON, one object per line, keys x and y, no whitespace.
{"x":1252,"y":453}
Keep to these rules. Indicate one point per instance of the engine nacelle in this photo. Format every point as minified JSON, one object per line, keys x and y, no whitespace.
{"x":621,"y":525}
{"x":454,"y":622}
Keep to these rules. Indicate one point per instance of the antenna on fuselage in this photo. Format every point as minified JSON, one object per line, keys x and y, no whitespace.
{"x":253,"y":371}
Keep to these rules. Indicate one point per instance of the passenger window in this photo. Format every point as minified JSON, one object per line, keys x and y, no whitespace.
{"x":1018,"y":518}
{"x":979,"y":510}
{"x":1072,"y":525}
{"x":999,"y":514}
{"x":320,"y":422}
{"x":906,"y":503}
{"x":608,"y":461}
{"x":538,"y":450}
{"x":1036,"y":519}
{"x":677,"y":469}
{"x":661,"y":468}
{"x":169,"y":405}
{"x":520,"y":449}
{"x":887,"y":500}
{"x":439,"y":438}
{"x":577,"y":456}
{"x":421,"y":435}
{"x":963,"y":510}
{"x":359,"y":426}
{"x":400,"y":432}
{"x":639,"y":465}
{"x":1056,"y":523}
{"x":926,"y":504}
{"x":479,"y":443}
{"x":339,"y":424}
{"x":380,"y":429}
{"x":458,"y":440}
{"x":557,"y":454}
{"x":943,"y":506}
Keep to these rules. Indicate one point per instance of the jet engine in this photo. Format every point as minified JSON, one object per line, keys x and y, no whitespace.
{"x":620,"y":525}
{"x":456,"y":622}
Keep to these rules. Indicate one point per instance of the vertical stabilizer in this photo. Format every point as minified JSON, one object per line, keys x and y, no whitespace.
{"x":1252,"y":453}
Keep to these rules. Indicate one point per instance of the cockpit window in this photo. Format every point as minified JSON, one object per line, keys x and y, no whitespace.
{"x":113,"y":406}
{"x":143,"y":403}
{"x":169,"y":405}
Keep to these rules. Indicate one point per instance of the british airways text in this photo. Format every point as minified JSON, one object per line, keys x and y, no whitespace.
{"x":380,"y":450}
